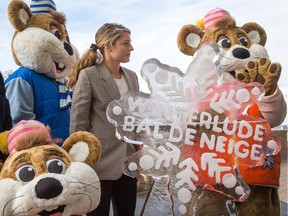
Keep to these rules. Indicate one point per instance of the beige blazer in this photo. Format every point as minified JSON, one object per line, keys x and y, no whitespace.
{"x":94,"y":90}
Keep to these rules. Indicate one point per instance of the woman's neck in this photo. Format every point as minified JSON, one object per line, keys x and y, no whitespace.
{"x":114,"y":69}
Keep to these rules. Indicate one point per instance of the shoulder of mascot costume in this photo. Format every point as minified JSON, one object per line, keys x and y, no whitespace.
{"x":41,"y":178}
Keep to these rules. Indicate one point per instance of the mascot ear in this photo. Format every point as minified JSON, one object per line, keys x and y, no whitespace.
{"x":83,"y":147}
{"x":18,"y":14}
{"x":189,"y":39}
{"x":255,"y":32}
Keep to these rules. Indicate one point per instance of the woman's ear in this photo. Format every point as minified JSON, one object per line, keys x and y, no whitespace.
{"x":108,"y":48}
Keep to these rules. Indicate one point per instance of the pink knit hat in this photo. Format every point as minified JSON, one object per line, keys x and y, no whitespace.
{"x":22,"y":129}
{"x":214,"y":15}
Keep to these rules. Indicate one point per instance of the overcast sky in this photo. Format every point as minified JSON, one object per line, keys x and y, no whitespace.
{"x":155,"y":25}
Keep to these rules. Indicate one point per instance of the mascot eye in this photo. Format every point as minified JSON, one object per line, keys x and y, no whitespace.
{"x":55,"y":166}
{"x":57,"y":33}
{"x":25,"y":173}
{"x":243,"y":41}
{"x":224,"y":42}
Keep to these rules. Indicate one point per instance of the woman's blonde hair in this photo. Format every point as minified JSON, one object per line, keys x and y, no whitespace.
{"x":106,"y":35}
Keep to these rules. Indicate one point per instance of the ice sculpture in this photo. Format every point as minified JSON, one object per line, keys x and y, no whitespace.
{"x":195,"y":130}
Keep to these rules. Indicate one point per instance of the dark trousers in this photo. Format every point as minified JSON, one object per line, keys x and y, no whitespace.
{"x":122,"y":192}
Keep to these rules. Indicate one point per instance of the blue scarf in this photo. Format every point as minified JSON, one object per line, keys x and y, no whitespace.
{"x":65,"y":94}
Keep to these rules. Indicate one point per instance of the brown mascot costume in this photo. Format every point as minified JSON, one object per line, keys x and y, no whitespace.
{"x":242,"y":57}
{"x":41,"y":178}
{"x":41,"y":47}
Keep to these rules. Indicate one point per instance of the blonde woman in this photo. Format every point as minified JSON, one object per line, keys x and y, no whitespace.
{"x":98,"y":78}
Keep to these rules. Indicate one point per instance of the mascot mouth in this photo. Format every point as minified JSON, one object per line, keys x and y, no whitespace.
{"x":59,"y":67}
{"x":56,"y":212}
{"x":232,"y":73}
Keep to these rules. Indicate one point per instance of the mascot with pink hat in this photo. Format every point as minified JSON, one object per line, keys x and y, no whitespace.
{"x":41,"y":178}
{"x":243,"y":58}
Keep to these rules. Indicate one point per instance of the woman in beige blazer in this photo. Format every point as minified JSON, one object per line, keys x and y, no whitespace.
{"x":97,"y":79}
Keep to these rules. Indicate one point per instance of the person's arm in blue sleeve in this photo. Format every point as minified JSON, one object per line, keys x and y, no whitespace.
{"x":21,"y":99}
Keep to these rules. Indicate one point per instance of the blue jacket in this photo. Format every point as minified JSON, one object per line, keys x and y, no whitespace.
{"x":35,"y":96}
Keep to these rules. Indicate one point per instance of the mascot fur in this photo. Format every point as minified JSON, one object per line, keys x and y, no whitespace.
{"x":40,"y":178}
{"x":244,"y":58}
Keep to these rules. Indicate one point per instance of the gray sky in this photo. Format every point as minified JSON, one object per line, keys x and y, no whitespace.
{"x":155,"y":25}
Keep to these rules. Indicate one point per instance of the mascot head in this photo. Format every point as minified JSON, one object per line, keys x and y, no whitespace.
{"x":41,"y":41}
{"x":41,"y":178}
{"x":242,"y":52}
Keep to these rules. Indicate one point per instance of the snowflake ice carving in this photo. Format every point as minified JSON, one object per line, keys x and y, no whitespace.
{"x":195,"y":130}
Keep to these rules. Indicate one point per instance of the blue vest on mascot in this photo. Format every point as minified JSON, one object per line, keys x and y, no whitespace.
{"x":46,"y":101}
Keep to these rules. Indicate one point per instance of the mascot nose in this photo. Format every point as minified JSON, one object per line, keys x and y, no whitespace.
{"x":68,"y":48}
{"x":241,"y":53}
{"x":48,"y":188}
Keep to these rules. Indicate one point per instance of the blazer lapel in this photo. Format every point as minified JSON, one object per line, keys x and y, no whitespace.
{"x":130,"y":82}
{"x":110,"y":85}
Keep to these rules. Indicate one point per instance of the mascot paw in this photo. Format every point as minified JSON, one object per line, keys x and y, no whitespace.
{"x":263,"y":72}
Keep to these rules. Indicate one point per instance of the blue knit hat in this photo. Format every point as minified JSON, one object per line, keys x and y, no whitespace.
{"x":42,"y":6}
